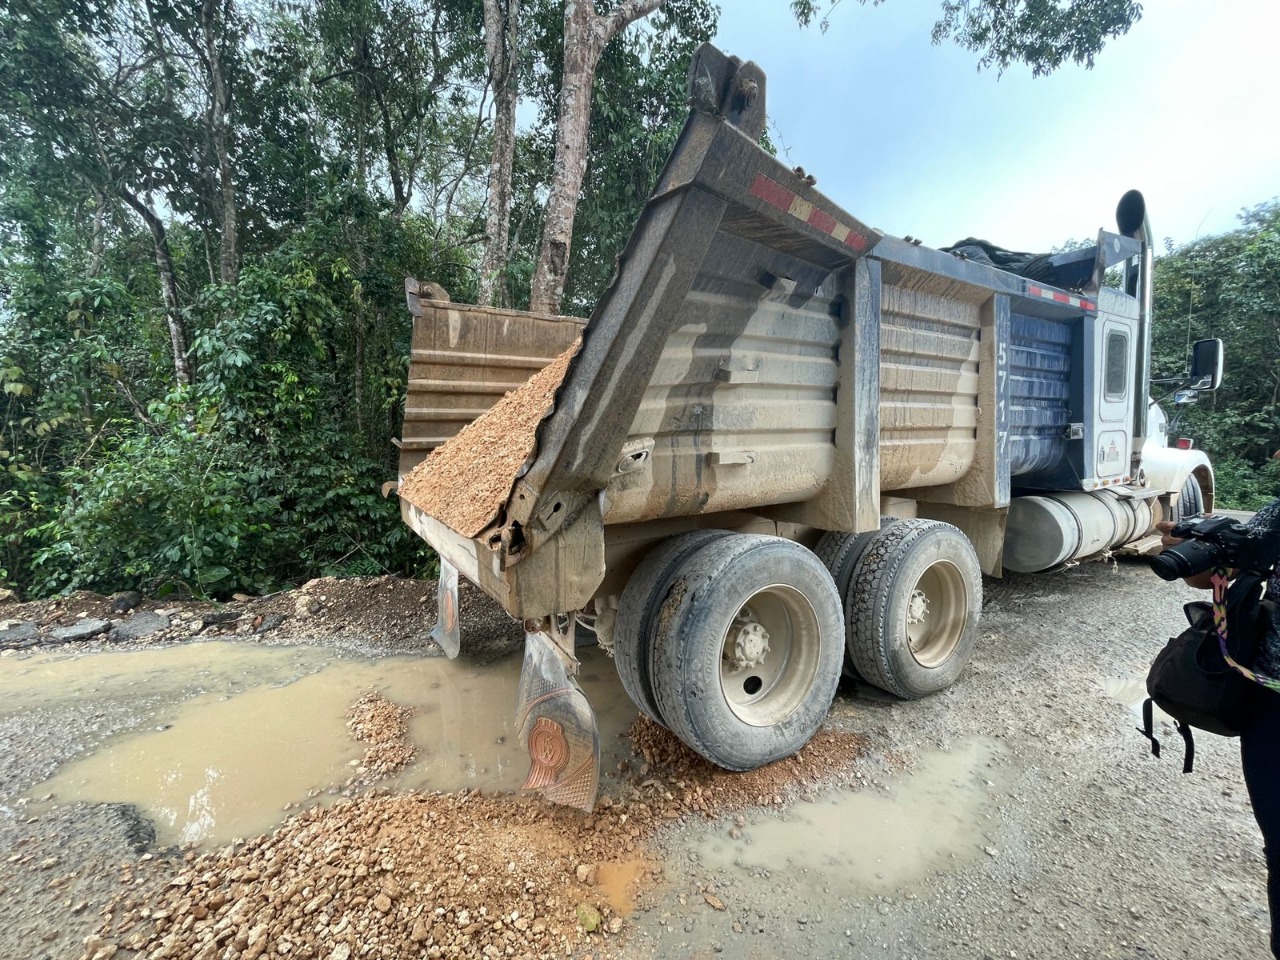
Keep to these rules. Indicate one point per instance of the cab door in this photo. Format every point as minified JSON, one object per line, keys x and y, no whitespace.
{"x":1114,"y":398}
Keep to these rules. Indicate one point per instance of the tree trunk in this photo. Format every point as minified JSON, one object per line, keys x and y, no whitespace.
{"x":168,"y":286}
{"x":214,"y":25}
{"x":400,"y":199}
{"x":358,"y":372}
{"x":586,"y":34}
{"x":501,"y":19}
{"x":97,"y":250}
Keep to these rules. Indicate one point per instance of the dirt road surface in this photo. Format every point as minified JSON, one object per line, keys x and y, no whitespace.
{"x":226,"y":785}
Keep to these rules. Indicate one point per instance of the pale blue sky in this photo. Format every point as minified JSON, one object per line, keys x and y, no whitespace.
{"x":912,"y":139}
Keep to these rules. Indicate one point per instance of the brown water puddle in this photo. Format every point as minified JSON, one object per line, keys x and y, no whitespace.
{"x":271,"y":732}
{"x":879,"y":841}
{"x":619,"y":881}
{"x":55,"y":678}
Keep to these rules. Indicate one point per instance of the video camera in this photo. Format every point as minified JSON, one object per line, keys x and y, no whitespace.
{"x":1216,"y":541}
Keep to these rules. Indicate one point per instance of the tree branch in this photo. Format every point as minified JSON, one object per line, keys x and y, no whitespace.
{"x":625,"y":14}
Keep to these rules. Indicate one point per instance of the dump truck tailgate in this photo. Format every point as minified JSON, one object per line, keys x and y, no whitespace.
{"x":464,"y":358}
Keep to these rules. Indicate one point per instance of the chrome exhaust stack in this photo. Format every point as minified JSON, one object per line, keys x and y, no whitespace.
{"x":1139,"y":281}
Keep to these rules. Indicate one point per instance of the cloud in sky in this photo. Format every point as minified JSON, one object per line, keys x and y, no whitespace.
{"x":912,"y":139}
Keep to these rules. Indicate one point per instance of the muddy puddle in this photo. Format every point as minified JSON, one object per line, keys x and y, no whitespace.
{"x":871,"y":841}
{"x":619,"y":881}
{"x":217,"y":667}
{"x":245,"y":734}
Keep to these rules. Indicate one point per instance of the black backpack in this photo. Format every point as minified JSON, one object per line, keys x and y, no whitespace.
{"x":1192,"y":682}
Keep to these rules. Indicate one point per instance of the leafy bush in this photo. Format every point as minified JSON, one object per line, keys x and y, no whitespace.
{"x":266,"y":471}
{"x":172,"y":505}
{"x":218,"y":514}
{"x":1239,"y":485}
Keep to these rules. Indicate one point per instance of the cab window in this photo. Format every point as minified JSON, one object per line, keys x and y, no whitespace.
{"x":1116,"y":366}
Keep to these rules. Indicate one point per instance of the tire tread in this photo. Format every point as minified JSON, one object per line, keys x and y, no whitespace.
{"x":870,"y":635}
{"x":637,"y":607}
{"x":685,"y":674}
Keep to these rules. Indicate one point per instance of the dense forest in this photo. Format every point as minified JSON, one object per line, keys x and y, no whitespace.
{"x":205,"y":228}
{"x":1228,"y":286}
{"x":207,"y":211}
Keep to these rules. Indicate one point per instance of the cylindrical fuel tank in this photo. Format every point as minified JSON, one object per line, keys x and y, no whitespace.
{"x":1048,"y":529}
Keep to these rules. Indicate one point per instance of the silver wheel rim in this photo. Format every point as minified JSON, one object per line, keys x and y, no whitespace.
{"x":937,"y":611}
{"x":769,"y":656}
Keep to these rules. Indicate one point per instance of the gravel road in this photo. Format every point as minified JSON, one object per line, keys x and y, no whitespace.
{"x":1018,"y":814}
{"x":1083,"y":846}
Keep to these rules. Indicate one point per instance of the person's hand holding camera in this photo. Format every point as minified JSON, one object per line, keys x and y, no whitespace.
{"x":1202,"y":580}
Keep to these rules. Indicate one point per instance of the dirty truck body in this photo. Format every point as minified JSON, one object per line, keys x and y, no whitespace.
{"x":786,"y":445}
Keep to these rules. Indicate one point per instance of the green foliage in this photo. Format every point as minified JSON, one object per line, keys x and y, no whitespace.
{"x":353,"y":140}
{"x":357,"y":156}
{"x":1241,"y":485}
{"x":176,"y":504}
{"x":269,"y":469}
{"x":215,"y":512}
{"x":389,"y":77}
{"x":1228,"y":286}
{"x":1041,"y":35}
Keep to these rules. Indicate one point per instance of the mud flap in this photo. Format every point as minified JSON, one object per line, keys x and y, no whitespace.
{"x":558,"y":728}
{"x":446,"y":632}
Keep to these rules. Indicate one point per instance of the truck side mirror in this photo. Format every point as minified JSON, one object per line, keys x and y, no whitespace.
{"x":1206,"y":364}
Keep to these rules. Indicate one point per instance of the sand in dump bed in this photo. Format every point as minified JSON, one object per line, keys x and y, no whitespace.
{"x":466,"y":480}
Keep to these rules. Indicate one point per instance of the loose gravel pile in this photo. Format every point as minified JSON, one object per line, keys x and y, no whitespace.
{"x":439,"y":875}
{"x":383,"y":725}
{"x":446,"y":875}
{"x":465,"y":482}
{"x":710,"y":790}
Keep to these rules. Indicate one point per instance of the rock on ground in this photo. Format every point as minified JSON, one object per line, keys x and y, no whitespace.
{"x":83,"y":630}
{"x":143,"y":623}
{"x":19,"y":635}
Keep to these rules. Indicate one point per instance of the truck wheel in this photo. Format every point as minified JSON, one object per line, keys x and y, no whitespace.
{"x":917,"y":594}
{"x":840,"y":553}
{"x":1190,"y":500}
{"x":637,"y":608}
{"x":747,"y":649}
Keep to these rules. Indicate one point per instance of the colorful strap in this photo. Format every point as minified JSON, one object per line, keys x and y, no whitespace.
{"x":1220,"y":582}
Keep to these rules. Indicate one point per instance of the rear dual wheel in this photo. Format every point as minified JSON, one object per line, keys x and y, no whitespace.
{"x":840,"y":553}
{"x":742,"y":639}
{"x":912,"y":606}
{"x":735,"y":642}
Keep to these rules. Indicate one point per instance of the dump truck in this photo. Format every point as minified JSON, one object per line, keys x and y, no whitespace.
{"x":784,"y":445}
